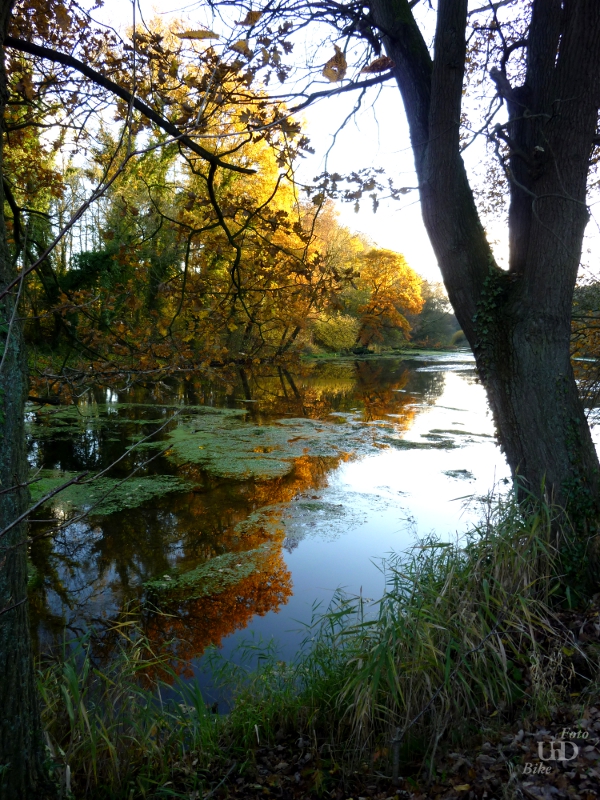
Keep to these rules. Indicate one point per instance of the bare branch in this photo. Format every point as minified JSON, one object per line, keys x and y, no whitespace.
{"x":491,"y":7}
{"x":41,"y":502}
{"x":6,"y":609}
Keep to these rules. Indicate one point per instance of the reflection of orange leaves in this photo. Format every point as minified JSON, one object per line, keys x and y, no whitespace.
{"x":197,"y":623}
{"x":382,"y":398}
{"x":308,"y":473}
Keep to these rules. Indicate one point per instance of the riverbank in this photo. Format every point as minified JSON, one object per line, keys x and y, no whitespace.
{"x":442,"y":689}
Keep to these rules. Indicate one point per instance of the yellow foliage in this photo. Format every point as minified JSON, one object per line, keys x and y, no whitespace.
{"x":392,"y":288}
{"x":200,"y":34}
{"x":242,"y":47}
{"x":337,"y":332}
{"x":251,"y":18}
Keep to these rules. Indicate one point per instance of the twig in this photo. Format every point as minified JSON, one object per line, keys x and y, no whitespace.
{"x":41,"y":502}
{"x":221,"y":782}
{"x":6,"y":609}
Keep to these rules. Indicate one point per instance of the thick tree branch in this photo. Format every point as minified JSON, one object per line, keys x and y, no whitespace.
{"x":503,"y":87}
{"x":544,"y":37}
{"x":405,"y":45}
{"x":432,"y":95}
{"x":16,"y":212}
{"x":463,"y":253}
{"x":119,"y":91}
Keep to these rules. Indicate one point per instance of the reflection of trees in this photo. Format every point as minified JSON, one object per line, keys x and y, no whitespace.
{"x":94,"y":577}
{"x":380,"y":397}
{"x":316,"y":390}
{"x":91,"y":574}
{"x":189,"y":626}
{"x":428,"y":385}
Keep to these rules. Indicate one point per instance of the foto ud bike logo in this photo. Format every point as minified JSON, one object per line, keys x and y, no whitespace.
{"x":563,"y":749}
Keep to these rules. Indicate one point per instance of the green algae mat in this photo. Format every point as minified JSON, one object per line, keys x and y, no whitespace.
{"x":213,"y":576}
{"x":222,"y":442}
{"x":104,"y":496}
{"x":229,"y":447}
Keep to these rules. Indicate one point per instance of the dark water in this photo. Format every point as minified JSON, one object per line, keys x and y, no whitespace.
{"x":397,"y":448}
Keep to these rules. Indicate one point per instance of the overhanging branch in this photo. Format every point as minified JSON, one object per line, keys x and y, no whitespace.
{"x":119,"y":91}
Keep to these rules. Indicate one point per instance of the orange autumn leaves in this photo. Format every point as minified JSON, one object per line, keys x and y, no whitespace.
{"x":194,"y":624}
{"x":392,"y":289}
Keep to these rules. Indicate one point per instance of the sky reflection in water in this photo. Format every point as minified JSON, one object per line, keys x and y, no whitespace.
{"x":425,"y":443}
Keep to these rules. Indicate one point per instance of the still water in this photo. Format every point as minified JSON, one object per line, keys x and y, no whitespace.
{"x":244,"y":506}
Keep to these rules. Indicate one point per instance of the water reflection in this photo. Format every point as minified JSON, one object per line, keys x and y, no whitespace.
{"x":93,"y":570}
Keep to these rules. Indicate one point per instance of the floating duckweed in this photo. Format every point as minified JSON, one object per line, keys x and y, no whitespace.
{"x":105,"y":496}
{"x":47,"y":480}
{"x":456,"y":432}
{"x":212,"y":577}
{"x":460,"y":474}
{"x":227,"y":446}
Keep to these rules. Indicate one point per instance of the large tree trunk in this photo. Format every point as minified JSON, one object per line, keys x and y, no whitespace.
{"x":517,"y":321}
{"x":22,"y":776}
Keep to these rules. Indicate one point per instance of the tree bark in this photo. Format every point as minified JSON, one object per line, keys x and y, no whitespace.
{"x":517,"y":321}
{"x":22,"y":775}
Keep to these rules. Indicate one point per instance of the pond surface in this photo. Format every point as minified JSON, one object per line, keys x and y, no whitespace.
{"x":241,"y":507}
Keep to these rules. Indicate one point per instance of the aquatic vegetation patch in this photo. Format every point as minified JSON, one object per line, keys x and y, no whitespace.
{"x":104,"y":496}
{"x":47,"y":480}
{"x":324,"y":518}
{"x":461,"y":474}
{"x":212,"y":577}
{"x":406,"y":444}
{"x":268,"y":520}
{"x":229,"y":447}
{"x":137,"y":441}
{"x":327,"y":517}
{"x":456,"y":432}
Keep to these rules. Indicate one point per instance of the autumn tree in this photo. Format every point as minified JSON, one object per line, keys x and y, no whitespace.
{"x":435,"y":325}
{"x":377,"y":290}
{"x":156,"y":295}
{"x":390,"y":289}
{"x":188,"y":270}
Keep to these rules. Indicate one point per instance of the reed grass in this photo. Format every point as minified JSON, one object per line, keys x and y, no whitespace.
{"x":465,"y":633}
{"x":111,"y":732}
